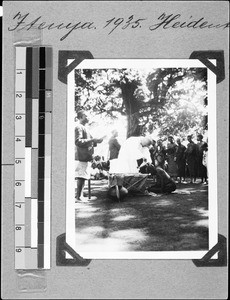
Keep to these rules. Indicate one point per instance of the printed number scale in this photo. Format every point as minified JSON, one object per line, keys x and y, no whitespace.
{"x":33,"y":112}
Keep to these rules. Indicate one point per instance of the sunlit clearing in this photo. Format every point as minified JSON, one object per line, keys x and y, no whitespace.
{"x":130,"y":235}
{"x":91,"y":230}
{"x":83,"y":244}
{"x":164,"y":203}
{"x":88,"y":209}
{"x":123,"y":218}
{"x":202,"y":211}
{"x":117,"y":210}
{"x":203,"y":223}
{"x":84,"y":215}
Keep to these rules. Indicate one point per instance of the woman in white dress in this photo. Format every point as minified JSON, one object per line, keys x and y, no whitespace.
{"x":132,"y":150}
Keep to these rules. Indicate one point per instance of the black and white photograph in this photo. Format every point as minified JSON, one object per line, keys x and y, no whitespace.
{"x":140,"y":139}
{"x":115,"y":143}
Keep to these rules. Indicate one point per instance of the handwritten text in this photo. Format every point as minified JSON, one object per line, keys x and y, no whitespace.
{"x":110,"y":25}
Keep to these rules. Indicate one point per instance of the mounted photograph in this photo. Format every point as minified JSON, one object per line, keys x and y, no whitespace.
{"x":141,"y":179}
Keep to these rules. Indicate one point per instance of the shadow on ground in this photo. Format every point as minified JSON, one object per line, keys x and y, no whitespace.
{"x":174,"y":222}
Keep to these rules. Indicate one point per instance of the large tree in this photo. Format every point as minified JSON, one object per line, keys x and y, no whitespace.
{"x":183,"y":96}
{"x":146,"y":97}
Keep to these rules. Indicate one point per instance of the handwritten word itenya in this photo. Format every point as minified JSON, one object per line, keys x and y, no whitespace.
{"x":70,"y":27}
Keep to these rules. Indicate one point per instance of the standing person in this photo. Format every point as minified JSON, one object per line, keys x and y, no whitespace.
{"x":160,"y":155}
{"x":153,"y":151}
{"x":171,"y":157}
{"x":200,"y":167}
{"x":84,"y":153}
{"x":180,"y":160}
{"x":114,"y":146}
{"x":205,"y":163}
{"x":191,"y":158}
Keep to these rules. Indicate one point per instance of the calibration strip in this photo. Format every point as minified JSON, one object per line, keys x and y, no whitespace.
{"x":33,"y":114}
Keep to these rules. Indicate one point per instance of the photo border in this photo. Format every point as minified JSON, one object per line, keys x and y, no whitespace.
{"x":70,"y":154}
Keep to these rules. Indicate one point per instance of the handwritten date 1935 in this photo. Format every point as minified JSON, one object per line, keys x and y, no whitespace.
{"x":123,"y":23}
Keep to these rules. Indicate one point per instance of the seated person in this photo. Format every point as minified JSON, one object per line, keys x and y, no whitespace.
{"x":98,"y":171}
{"x":164,"y":183}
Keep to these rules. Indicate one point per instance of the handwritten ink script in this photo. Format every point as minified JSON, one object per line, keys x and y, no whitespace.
{"x":164,"y":21}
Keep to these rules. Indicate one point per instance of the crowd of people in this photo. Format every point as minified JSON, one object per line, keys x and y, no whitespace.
{"x":169,"y":163}
{"x":180,"y":161}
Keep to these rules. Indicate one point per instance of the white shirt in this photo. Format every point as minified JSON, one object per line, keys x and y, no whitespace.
{"x":131,"y":150}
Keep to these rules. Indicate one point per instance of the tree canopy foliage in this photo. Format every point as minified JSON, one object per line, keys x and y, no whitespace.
{"x":168,"y":99}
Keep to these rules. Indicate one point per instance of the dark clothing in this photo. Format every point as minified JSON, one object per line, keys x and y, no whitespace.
{"x":114,"y":148}
{"x":164,"y":183}
{"x":180,"y":160}
{"x":147,"y":168}
{"x":84,"y":145}
{"x":160,"y":156}
{"x":191,"y":158}
{"x":171,"y":154}
{"x":201,"y":171}
{"x":153,"y":151}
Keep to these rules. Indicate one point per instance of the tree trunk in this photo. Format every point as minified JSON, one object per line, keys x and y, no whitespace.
{"x":133,"y":128}
{"x":132,"y":108}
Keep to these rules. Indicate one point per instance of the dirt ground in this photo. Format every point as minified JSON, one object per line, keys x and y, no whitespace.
{"x":172,"y":222}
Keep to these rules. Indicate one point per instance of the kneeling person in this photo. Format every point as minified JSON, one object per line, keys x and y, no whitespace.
{"x":164,"y":183}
